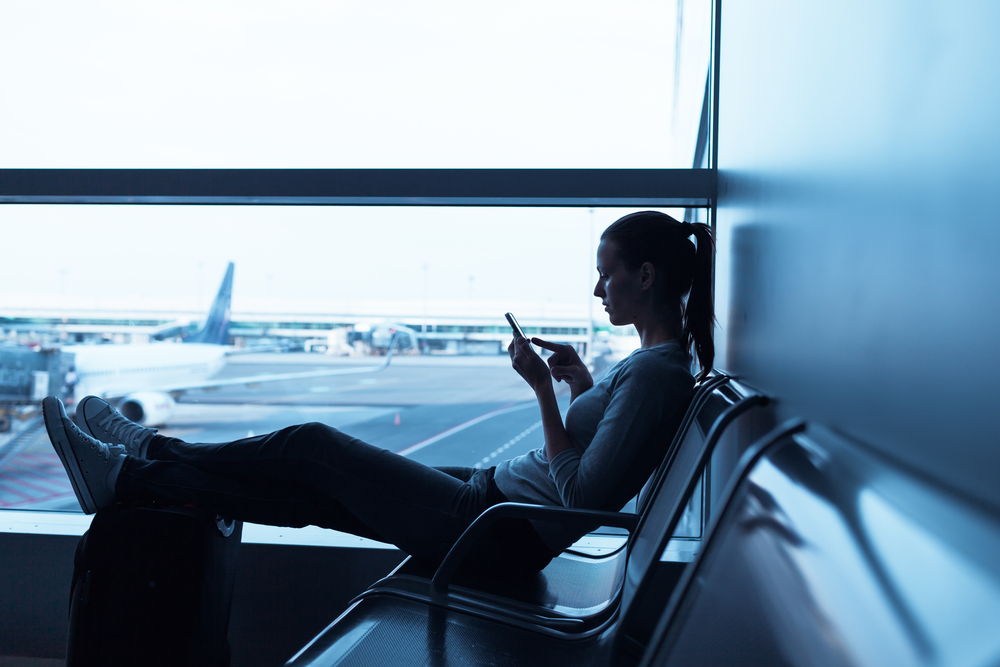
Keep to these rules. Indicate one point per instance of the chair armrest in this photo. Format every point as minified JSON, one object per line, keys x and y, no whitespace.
{"x":566,"y":515}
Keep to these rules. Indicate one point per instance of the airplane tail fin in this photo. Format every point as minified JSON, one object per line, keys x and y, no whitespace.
{"x":215,"y":329}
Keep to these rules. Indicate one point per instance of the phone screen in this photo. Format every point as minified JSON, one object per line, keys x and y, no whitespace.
{"x":514,"y":325}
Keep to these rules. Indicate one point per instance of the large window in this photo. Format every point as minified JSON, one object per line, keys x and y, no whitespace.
{"x":584,"y":110}
{"x":102,"y":295}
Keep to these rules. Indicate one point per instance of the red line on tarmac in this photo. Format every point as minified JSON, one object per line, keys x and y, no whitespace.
{"x":27,"y":484}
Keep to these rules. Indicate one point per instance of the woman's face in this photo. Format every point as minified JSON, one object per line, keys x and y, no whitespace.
{"x":618,"y":287}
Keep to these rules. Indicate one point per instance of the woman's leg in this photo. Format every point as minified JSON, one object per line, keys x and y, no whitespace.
{"x":313,"y":474}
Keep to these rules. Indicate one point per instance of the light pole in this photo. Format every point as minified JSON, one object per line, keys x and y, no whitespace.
{"x":201,"y":275}
{"x":589,"y":356}
{"x":426,"y":268}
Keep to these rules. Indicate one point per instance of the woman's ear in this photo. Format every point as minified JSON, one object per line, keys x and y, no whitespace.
{"x":647,"y":274}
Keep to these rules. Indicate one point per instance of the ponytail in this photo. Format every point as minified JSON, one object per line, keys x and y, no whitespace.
{"x":651,"y":236}
{"x":699,"y":315}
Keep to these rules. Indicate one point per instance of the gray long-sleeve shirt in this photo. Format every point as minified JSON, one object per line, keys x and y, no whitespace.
{"x":620,"y":430}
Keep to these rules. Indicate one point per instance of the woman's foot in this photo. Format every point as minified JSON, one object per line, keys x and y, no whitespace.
{"x":102,"y":422}
{"x":92,"y":466}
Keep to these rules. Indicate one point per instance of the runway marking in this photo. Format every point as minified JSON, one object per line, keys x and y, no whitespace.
{"x":507,"y":445}
{"x":461,"y":427}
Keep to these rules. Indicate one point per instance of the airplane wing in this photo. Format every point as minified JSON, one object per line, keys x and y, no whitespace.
{"x":253,"y":380}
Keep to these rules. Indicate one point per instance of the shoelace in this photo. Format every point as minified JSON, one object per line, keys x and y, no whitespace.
{"x":122,"y":429}
{"x":103,"y":449}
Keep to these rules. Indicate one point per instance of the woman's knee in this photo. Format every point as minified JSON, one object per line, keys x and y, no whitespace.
{"x":318,"y":431}
{"x":317,"y":442}
{"x":309,"y":437}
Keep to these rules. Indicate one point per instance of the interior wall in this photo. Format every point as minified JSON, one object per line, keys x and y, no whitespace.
{"x":859,"y":273}
{"x":285,"y":595}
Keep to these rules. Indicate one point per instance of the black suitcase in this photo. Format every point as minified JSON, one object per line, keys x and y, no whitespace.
{"x":153,"y":586}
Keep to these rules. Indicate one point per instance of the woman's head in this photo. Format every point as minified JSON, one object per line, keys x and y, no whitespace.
{"x":648,"y":260}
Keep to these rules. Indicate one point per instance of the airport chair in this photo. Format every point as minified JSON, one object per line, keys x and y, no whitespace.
{"x":388,"y":628}
{"x":835,"y":555}
{"x":577,"y":590}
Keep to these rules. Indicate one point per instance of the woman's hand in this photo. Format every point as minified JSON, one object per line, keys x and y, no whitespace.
{"x":534,"y":371}
{"x":528,"y":364}
{"x":566,"y":366}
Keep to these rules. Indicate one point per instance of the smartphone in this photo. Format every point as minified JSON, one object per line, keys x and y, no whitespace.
{"x":514,"y":325}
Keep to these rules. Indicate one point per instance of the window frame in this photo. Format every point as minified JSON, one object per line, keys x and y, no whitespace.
{"x":694,"y":188}
{"x":635,"y":188}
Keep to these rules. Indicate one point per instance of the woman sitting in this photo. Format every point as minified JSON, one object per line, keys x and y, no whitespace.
{"x":651,"y":275}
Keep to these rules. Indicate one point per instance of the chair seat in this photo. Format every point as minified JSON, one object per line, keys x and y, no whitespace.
{"x":387,"y":631}
{"x":570,"y":587}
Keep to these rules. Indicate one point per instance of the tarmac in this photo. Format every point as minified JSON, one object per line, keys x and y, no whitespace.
{"x":459,"y":411}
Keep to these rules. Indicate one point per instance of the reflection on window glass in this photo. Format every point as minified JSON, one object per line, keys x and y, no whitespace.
{"x":432,"y":84}
{"x":107,"y":299}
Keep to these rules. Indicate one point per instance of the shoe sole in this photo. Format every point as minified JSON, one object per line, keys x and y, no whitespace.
{"x":52,"y":416}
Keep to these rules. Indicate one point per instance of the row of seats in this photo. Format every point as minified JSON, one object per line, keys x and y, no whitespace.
{"x":805,"y":548}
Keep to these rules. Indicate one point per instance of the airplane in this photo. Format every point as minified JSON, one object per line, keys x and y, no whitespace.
{"x":147,"y":379}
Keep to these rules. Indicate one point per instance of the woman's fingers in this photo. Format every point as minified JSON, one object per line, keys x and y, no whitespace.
{"x":564,"y":372}
{"x":562,"y":354}
{"x":523,"y":347}
{"x":527,"y":363}
{"x":560,"y":375}
{"x":554,"y":347}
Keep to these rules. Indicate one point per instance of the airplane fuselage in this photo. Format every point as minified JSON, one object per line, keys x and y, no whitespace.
{"x":117,"y":370}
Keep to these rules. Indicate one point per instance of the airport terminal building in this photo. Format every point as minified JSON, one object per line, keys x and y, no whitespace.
{"x":457,"y":333}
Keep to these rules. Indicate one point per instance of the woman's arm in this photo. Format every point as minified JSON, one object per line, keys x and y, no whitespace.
{"x":556,"y":438}
{"x":628,"y":444}
{"x":534,"y":371}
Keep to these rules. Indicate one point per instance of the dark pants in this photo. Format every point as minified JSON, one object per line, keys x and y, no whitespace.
{"x":313,"y":474}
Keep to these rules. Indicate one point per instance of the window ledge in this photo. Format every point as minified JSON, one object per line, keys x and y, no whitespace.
{"x":70,"y":523}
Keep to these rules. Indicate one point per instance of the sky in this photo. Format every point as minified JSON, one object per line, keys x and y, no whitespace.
{"x":462,"y":260}
{"x":334,"y":84}
{"x":249,"y":83}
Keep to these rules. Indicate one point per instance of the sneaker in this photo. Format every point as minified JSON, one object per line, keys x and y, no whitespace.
{"x":102,"y":422}
{"x":92,"y":466}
